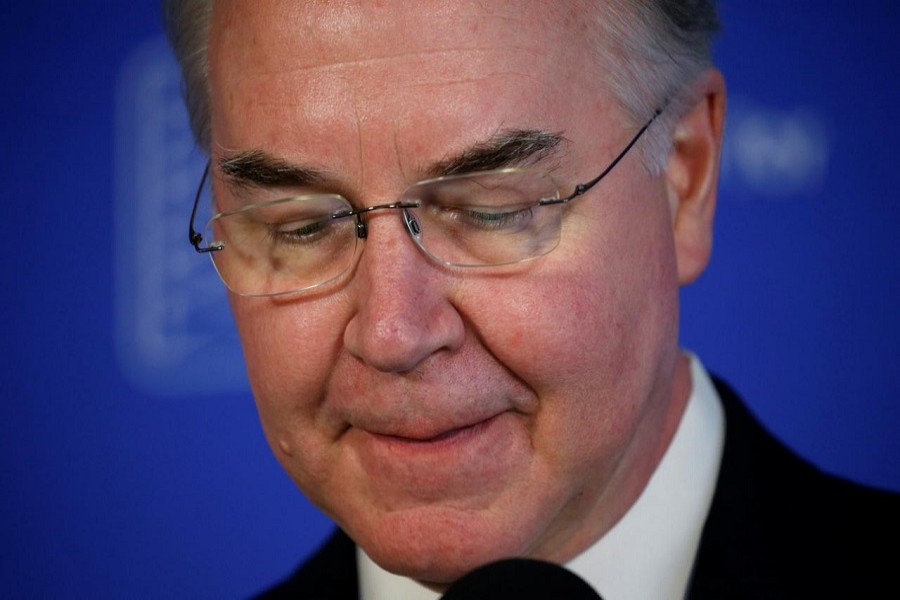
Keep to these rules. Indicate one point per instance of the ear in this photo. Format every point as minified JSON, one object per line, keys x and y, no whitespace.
{"x":692,"y":175}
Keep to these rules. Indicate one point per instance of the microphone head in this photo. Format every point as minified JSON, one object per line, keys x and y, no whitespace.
{"x":522,"y":579}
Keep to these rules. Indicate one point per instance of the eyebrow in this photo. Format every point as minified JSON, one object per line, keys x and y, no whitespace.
{"x":506,"y":148}
{"x":258,"y":168}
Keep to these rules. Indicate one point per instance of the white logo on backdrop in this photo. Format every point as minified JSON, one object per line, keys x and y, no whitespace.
{"x":774,"y":153}
{"x":174,"y":330}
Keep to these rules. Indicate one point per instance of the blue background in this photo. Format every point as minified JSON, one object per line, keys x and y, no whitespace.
{"x":132,"y":460}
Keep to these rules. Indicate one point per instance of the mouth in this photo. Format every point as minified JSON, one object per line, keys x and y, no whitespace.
{"x":446,"y":435}
{"x":434,"y":444}
{"x":404,"y":468}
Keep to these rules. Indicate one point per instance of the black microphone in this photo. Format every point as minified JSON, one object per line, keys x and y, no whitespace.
{"x":520,"y":579}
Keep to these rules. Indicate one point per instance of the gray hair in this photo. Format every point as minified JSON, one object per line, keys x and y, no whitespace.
{"x":187,"y":27}
{"x":652,"y":49}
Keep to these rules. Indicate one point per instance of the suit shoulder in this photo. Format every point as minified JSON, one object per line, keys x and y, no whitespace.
{"x":329,"y":574}
{"x":778,"y":523}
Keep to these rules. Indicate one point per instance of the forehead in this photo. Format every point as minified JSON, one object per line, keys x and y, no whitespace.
{"x":330,"y":31}
{"x":309,"y":69}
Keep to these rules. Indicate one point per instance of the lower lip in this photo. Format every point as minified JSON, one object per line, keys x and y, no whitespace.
{"x":450,"y":437}
{"x":448,"y":463}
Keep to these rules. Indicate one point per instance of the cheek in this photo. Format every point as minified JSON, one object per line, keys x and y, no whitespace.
{"x":592,"y":328}
{"x":289,"y":349}
{"x":579,"y":327}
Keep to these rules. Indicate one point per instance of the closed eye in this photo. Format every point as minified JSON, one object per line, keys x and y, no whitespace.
{"x":507,"y":219}
{"x":302,"y":232}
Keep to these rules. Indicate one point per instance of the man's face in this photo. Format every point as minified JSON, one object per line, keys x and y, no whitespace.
{"x":442,"y":416}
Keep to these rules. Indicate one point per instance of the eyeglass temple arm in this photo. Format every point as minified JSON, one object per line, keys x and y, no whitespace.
{"x":581,"y":188}
{"x":193,"y":235}
{"x":195,"y":238}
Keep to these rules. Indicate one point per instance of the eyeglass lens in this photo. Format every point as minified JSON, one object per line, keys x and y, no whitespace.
{"x":299,"y":243}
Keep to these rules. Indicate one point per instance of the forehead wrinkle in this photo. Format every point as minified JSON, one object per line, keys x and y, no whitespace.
{"x":319,"y":32}
{"x":479,"y":56}
{"x":336,"y":81}
{"x":377,"y":28}
{"x":491,"y":76}
{"x":359,"y":140}
{"x":286,"y":99}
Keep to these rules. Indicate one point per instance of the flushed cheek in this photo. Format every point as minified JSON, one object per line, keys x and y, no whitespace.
{"x":586,"y":343}
{"x":563,"y":340}
{"x":549,"y":328}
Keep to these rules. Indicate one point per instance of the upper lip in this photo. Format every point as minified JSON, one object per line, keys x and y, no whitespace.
{"x":436,"y":437}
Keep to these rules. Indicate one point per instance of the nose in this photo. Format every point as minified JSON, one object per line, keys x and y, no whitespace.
{"x":404,"y":311}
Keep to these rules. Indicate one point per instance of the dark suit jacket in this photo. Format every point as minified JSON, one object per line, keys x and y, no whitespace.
{"x":778,"y":528}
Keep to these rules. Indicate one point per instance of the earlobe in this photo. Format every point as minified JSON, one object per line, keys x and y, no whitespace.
{"x":692,"y":175}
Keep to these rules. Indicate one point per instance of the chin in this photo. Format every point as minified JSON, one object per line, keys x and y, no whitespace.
{"x":438,"y":545}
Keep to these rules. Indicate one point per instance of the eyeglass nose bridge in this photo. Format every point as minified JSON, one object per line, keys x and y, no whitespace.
{"x":362,"y":231}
